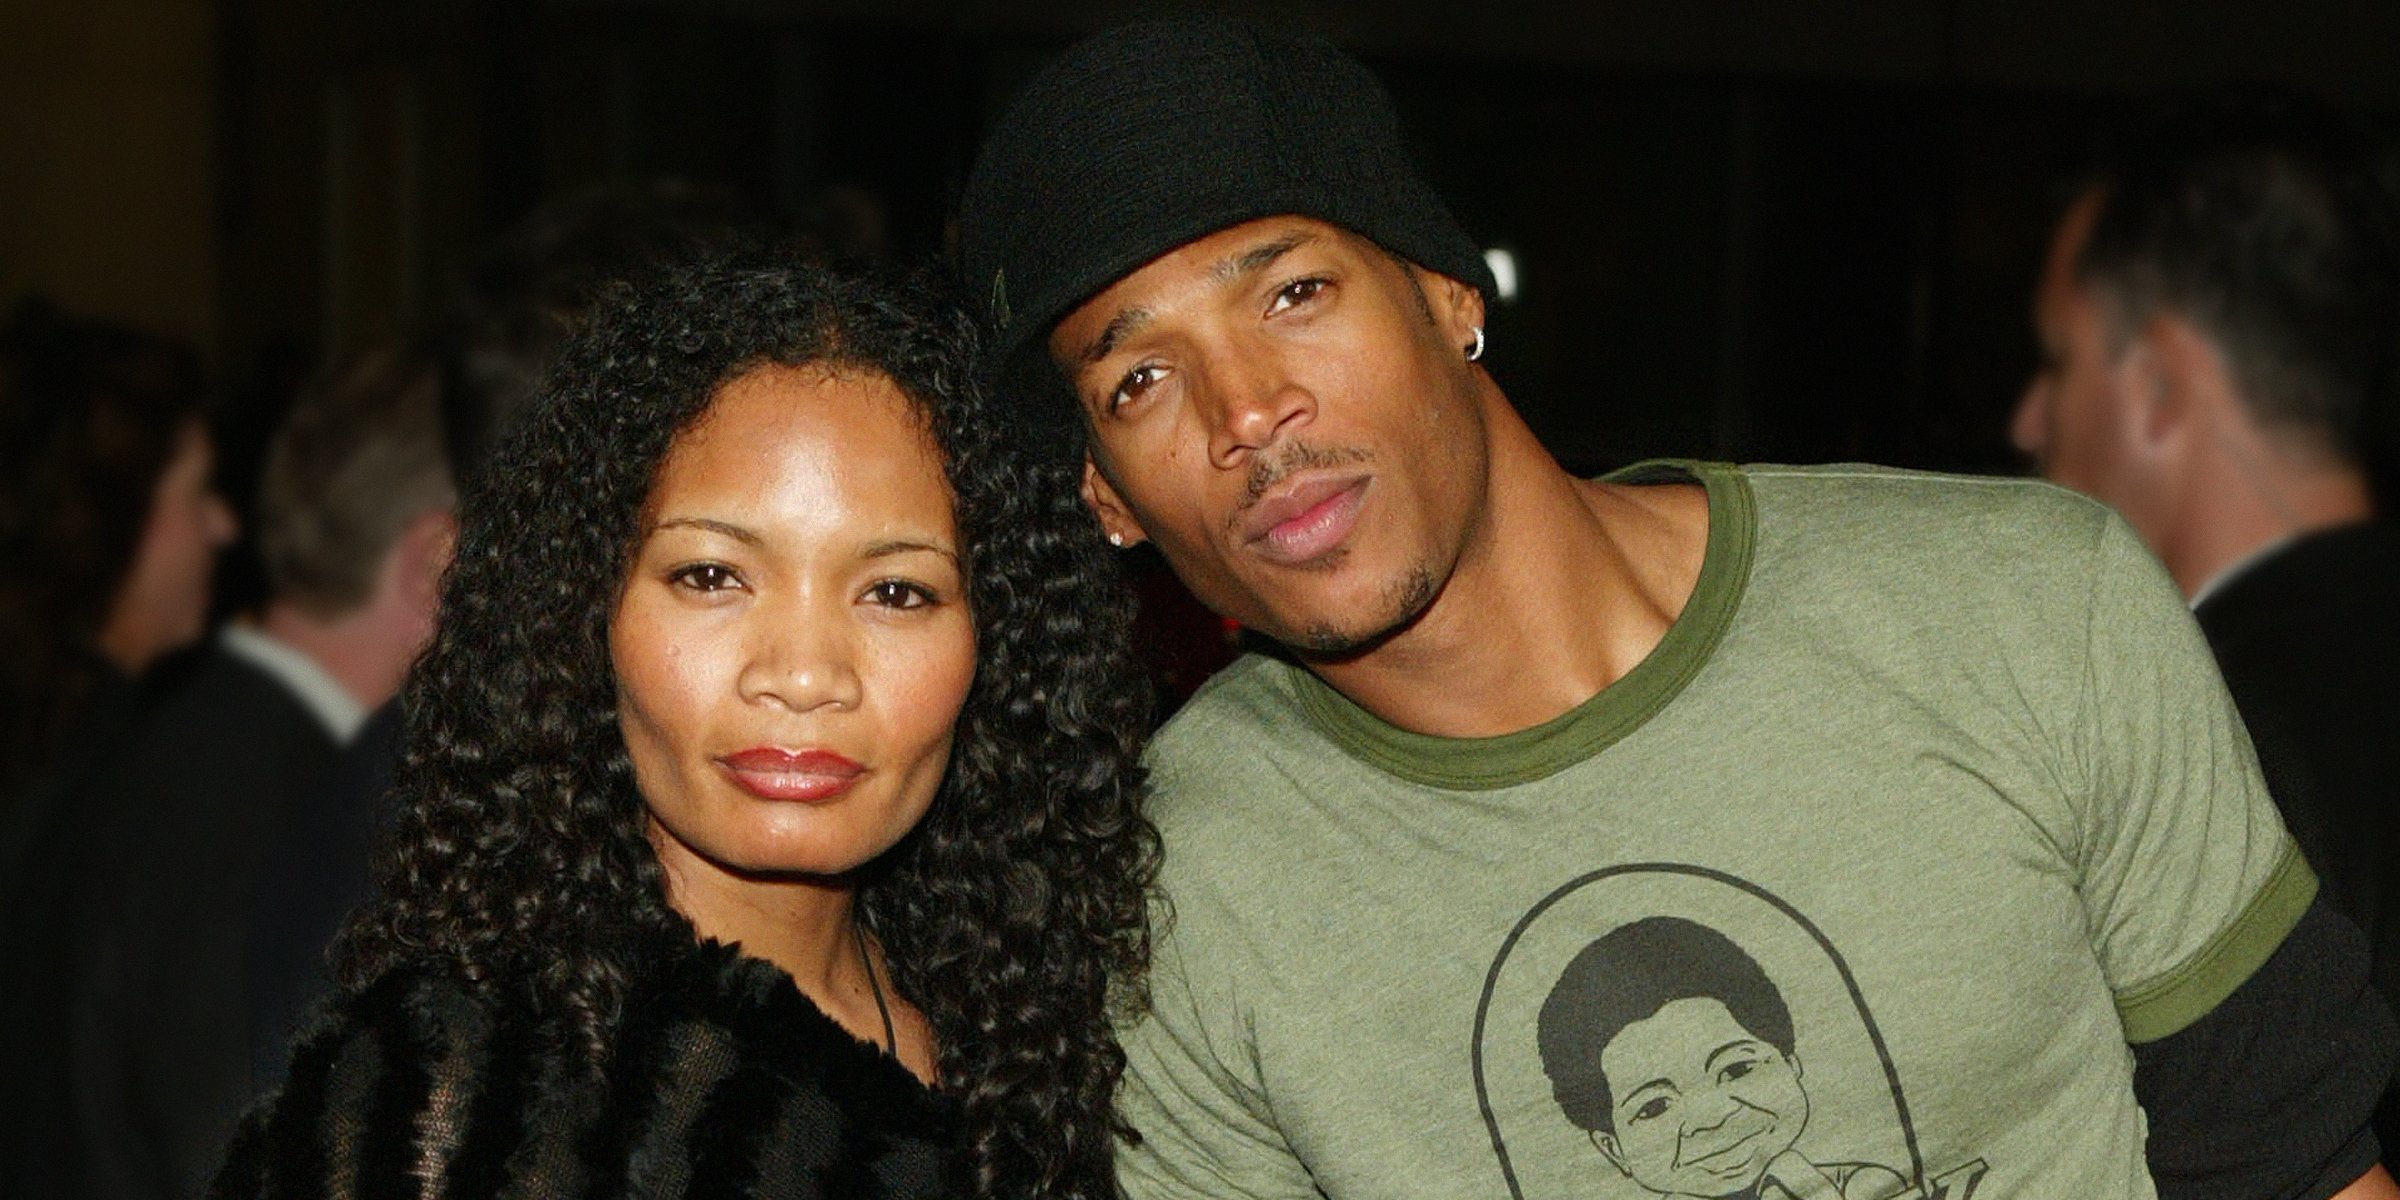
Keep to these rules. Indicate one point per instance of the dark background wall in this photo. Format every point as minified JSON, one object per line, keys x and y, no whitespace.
{"x":1788,"y":229}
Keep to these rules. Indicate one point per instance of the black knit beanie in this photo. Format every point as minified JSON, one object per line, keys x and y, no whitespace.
{"x":1140,"y":139}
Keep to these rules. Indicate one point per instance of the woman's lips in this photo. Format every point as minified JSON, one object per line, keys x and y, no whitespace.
{"x":1306,"y":520}
{"x":808,"y":776}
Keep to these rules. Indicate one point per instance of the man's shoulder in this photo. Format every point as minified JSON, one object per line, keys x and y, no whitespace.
{"x":1969,"y":536}
{"x":1251,"y":700}
{"x":225,"y":693}
{"x":1864,"y":494}
{"x":1247,"y":691}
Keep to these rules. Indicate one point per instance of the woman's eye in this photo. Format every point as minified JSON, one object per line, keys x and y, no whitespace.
{"x":1296,"y":293}
{"x":899,"y":593}
{"x":1735,"y":1070}
{"x":705,"y":577}
{"x":1651,"y":1109}
{"x":1136,"y":382}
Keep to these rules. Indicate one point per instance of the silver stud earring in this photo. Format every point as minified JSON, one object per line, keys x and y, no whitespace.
{"x":1117,"y":540}
{"x":1475,"y":352}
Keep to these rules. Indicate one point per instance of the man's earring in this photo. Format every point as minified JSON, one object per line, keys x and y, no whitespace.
{"x":1475,"y":351}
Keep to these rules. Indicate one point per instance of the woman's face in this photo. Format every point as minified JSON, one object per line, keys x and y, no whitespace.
{"x":163,"y":602}
{"x":793,"y":642}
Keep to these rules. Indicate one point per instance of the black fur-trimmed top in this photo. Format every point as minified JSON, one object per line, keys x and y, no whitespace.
{"x":724,"y":1081}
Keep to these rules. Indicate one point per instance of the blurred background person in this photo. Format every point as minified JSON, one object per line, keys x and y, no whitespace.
{"x":109,"y":525}
{"x":354,"y":527}
{"x":2219,"y":318}
{"x":770,"y":812}
{"x":516,"y":303}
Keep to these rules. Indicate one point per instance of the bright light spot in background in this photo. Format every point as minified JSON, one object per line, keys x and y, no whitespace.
{"x":1504,"y":271}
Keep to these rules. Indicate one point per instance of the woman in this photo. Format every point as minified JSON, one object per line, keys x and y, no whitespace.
{"x":109,"y":529}
{"x":108,"y":493}
{"x":770,"y":793}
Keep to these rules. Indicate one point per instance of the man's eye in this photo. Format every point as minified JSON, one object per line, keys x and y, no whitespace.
{"x":705,"y":577}
{"x":1651,"y":1109}
{"x":1296,"y":293}
{"x":1136,"y":382}
{"x":1735,"y":1070}
{"x":899,"y":593}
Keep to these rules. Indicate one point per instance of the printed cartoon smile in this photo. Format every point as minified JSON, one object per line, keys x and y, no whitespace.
{"x":1718,"y":1155}
{"x":1304,"y":519}
{"x":773,"y":773}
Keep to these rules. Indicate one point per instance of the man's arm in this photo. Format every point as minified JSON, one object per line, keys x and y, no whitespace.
{"x":2269,"y":1093}
{"x":2260,"y":1047}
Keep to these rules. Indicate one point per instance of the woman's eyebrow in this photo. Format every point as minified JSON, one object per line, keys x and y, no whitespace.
{"x":711,"y":525}
{"x":889,"y":547}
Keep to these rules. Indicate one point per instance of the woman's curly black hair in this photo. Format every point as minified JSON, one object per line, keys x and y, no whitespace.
{"x":1013,"y":916}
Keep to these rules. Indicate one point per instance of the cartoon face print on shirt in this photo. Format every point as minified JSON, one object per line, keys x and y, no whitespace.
{"x":1626,"y":1051}
{"x":1672,"y":1050}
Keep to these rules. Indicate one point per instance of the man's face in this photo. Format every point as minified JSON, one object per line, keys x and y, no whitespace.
{"x":1288,"y":412}
{"x":2076,"y":418}
{"x":1701,"y":1105}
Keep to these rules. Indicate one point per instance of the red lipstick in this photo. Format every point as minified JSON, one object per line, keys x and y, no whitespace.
{"x":808,"y":776}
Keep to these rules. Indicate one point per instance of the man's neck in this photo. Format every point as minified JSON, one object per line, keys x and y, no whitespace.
{"x":352,"y":648}
{"x":1563,"y":587}
{"x":2248,"y":506}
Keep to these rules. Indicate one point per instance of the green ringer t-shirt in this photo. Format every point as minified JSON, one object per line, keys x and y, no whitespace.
{"x":1929,"y":803}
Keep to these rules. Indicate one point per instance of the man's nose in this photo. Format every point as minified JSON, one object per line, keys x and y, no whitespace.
{"x":2028,"y":426}
{"x":1258,"y":403}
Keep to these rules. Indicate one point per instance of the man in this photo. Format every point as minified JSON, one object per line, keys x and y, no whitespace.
{"x":2217,"y":315}
{"x":354,"y":527}
{"x":1955,"y":738}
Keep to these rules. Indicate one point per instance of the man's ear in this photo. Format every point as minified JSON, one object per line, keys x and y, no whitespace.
{"x":1116,"y":520}
{"x":421,"y":554}
{"x":2192,"y":380}
{"x":1606,"y":1144}
{"x":1457,"y":307}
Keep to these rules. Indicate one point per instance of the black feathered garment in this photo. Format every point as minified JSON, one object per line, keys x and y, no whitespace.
{"x":725,"y":1081}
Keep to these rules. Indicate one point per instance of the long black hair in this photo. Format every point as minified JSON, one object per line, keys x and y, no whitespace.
{"x":91,"y":415}
{"x":1013,"y":915}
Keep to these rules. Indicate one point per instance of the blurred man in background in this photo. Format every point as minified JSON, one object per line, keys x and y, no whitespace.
{"x":355,"y":528}
{"x":518,"y":300}
{"x":2218,"y":318}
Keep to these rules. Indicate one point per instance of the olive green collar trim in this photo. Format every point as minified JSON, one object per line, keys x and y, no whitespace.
{"x":1478,"y":764}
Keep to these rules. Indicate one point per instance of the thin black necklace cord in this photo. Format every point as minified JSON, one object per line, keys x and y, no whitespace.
{"x":891,"y":1044}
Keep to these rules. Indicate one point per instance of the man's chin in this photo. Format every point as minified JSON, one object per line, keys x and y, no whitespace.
{"x":1405,"y":600}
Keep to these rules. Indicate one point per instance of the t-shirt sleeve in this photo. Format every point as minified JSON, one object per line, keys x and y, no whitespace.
{"x":2188,"y":879}
{"x":1193,"y":1092}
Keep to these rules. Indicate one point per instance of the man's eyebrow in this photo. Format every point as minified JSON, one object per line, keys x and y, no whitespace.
{"x":1233,"y":267}
{"x":1118,"y":328}
{"x":736,"y":532}
{"x":887,"y":548}
{"x":1258,"y":257}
